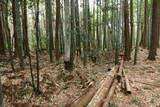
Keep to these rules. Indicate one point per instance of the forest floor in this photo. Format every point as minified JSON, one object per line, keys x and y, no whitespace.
{"x":143,"y":95}
{"x":60,"y":87}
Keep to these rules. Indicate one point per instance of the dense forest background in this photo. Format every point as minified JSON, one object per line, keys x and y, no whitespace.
{"x":62,"y":31}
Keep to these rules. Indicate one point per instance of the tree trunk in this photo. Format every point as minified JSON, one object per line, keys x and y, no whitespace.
{"x":138,"y":30}
{"x":145,"y":29}
{"x":72,"y":34}
{"x":131,"y":22}
{"x":67,"y":35}
{"x":97,"y":30}
{"x":155,"y":29}
{"x":25,"y":26}
{"x":78,"y":36}
{"x":2,"y":47}
{"x":14,"y":27}
{"x":49,"y":27}
{"x":126,"y":31}
{"x":37,"y":45}
{"x":57,"y":29}
{"x":18,"y":32}
{"x":86,"y":35}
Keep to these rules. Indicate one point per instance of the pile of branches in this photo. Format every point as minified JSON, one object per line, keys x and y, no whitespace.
{"x":100,"y":96}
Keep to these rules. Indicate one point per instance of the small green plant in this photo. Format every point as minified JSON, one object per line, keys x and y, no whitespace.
{"x":135,"y":100}
{"x":113,"y":104}
{"x":65,"y":86}
{"x":152,"y":101}
{"x":147,"y":87}
{"x":93,"y":78}
{"x":62,"y":105}
{"x":77,"y":72}
{"x":21,"y":92}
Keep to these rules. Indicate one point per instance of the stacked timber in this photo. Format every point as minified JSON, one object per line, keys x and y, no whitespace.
{"x":101,"y":95}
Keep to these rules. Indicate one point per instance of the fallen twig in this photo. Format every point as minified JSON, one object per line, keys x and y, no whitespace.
{"x":147,"y":83}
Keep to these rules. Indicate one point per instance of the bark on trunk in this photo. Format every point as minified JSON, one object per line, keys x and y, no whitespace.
{"x":155,"y":29}
{"x":126,"y":31}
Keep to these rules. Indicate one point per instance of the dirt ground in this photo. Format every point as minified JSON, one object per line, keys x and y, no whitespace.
{"x":143,"y":95}
{"x":60,"y":87}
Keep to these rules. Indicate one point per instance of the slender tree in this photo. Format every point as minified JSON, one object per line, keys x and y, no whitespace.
{"x":72,"y":54}
{"x":131,"y":22}
{"x":77,"y":21}
{"x":57,"y":29}
{"x":155,"y":29}
{"x":139,"y":14}
{"x":97,"y":27}
{"x":8,"y":34}
{"x":2,"y":45}
{"x":86,"y":34}
{"x":67,"y":35}
{"x":37,"y":44}
{"x":18,"y":32}
{"x":145,"y":29}
{"x":49,"y":27}
{"x":126,"y":31}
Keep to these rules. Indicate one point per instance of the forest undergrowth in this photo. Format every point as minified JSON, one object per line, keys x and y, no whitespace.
{"x":59,"y":87}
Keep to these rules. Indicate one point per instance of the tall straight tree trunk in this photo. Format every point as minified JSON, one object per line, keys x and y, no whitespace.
{"x":145,"y":30}
{"x":117,"y":33}
{"x":37,"y":45}
{"x":126,"y":31}
{"x":72,"y":54}
{"x":67,"y":35}
{"x":57,"y":30}
{"x":8,"y":35}
{"x":77,"y":22}
{"x":104,"y":24}
{"x":2,"y":47}
{"x":86,"y":34}
{"x":61,"y":33}
{"x":49,"y":27}
{"x":100,"y":24}
{"x":14,"y":27}
{"x":18,"y":32}
{"x":139,"y":14}
{"x":97,"y":30}
{"x":131,"y":22}
{"x":26,"y":41}
{"x":94,"y":27}
{"x":155,"y":29}
{"x":89,"y":29}
{"x":25,"y":26}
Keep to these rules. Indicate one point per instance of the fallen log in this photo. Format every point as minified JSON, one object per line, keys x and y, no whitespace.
{"x":122,"y":83}
{"x":104,"y":102}
{"x":121,"y":67}
{"x":104,"y":88}
{"x":127,"y":86}
{"x":110,"y":94}
{"x":85,"y":99}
